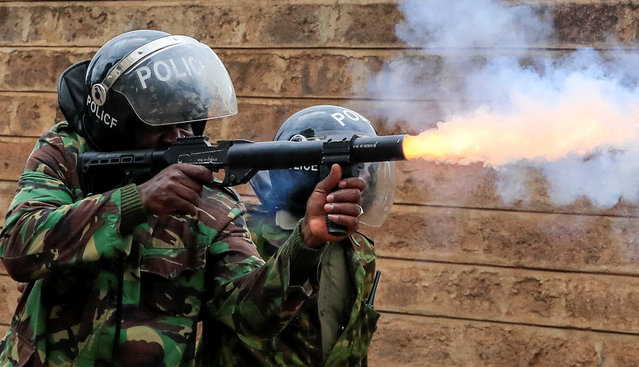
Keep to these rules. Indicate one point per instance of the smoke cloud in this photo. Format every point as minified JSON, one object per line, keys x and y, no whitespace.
{"x":573,"y":117}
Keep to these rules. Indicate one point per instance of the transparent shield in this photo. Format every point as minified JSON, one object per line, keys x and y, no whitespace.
{"x":177,"y":84}
{"x":379,"y":195}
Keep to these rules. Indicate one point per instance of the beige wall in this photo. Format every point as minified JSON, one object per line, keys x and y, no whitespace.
{"x":467,"y":279}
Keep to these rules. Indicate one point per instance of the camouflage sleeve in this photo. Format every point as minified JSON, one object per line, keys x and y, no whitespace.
{"x":256,"y":298}
{"x":267,"y":235}
{"x":49,"y":224}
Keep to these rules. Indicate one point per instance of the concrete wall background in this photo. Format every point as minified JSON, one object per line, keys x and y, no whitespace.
{"x":467,"y":279}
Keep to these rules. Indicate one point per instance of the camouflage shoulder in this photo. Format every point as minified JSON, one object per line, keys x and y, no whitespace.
{"x":68,"y":136}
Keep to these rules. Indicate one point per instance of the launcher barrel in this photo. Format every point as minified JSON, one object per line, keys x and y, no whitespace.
{"x":240,"y":159}
{"x":287,"y":154}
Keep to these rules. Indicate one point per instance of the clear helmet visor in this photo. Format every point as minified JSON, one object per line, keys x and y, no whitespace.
{"x":378,"y":197}
{"x":181,"y":83}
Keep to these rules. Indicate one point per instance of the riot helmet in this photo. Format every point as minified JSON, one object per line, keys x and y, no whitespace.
{"x":156,"y":78}
{"x":289,"y":189}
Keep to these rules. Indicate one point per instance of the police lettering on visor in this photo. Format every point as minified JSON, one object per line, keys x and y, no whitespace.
{"x":178,"y":84}
{"x":170,"y":69}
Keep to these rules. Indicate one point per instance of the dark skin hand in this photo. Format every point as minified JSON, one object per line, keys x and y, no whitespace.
{"x":176,"y":188}
{"x":341,"y":205}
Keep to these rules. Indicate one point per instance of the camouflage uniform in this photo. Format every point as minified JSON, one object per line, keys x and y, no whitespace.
{"x":102,"y":294}
{"x":300,"y":343}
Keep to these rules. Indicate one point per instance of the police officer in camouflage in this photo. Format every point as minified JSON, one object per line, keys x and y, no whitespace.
{"x":336,"y":328}
{"x":123,"y":277}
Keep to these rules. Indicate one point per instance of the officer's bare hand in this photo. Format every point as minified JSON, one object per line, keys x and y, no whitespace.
{"x":176,"y":188}
{"x":342,"y":207}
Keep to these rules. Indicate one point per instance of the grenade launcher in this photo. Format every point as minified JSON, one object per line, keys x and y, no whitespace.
{"x":239,"y":159}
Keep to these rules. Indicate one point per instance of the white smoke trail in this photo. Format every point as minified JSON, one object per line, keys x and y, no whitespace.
{"x":575,"y":118}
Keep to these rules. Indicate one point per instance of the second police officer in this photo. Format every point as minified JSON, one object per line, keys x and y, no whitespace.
{"x":335,"y":328}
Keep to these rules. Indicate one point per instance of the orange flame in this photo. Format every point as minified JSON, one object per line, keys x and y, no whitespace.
{"x":537,"y":132}
{"x":433,"y":146}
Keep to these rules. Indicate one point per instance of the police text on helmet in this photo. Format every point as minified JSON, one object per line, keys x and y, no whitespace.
{"x":165,"y":70}
{"x":313,"y":168}
{"x":100,"y":114}
{"x":340,"y":116}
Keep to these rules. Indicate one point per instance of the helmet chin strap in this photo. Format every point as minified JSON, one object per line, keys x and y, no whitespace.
{"x":100,"y":91}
